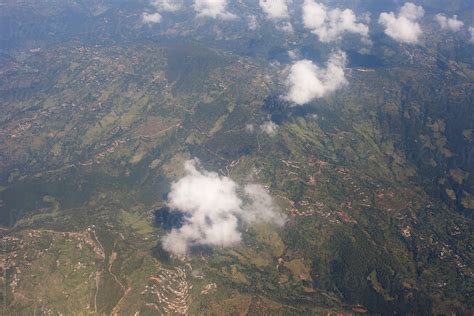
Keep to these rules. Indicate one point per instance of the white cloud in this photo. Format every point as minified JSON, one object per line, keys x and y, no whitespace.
{"x":161,"y":6}
{"x":274,"y":9}
{"x":252,"y":22}
{"x":261,"y":207}
{"x":151,"y":18}
{"x":293,"y":54}
{"x":213,"y":9}
{"x":471,"y":31}
{"x":269,"y":128}
{"x":286,"y":27}
{"x":330,"y":24}
{"x":167,"y":5}
{"x":213,"y":206}
{"x":403,"y":27}
{"x":307,"y":81}
{"x":452,"y":24}
{"x":412,"y":11}
{"x":249,"y":128}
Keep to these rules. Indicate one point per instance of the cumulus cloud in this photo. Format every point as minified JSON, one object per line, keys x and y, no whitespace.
{"x":252,"y":22}
{"x":151,"y":18}
{"x":260,"y":208}
{"x":270,"y":128}
{"x":274,"y":9}
{"x":471,"y":31}
{"x":404,"y":27}
{"x":249,"y":128}
{"x":161,"y":6}
{"x":167,"y":5}
{"x":293,"y":54}
{"x":451,"y":24}
{"x":330,"y":24}
{"x":213,"y":207}
{"x":307,"y":81}
{"x":286,"y":27}
{"x":213,"y":9}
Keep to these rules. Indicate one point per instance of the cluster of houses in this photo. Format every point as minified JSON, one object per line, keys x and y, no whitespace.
{"x":99,"y":156}
{"x":208,"y":288}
